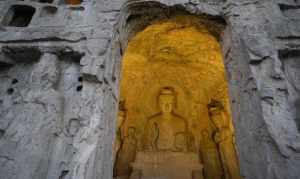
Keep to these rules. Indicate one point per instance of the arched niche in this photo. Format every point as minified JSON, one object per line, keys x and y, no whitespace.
{"x":136,"y":42}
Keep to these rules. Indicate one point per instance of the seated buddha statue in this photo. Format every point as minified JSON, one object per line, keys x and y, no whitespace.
{"x":167,"y":145}
{"x":166,"y":131}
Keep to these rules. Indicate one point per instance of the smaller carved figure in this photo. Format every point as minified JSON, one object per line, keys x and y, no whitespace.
{"x":210,"y":157}
{"x":224,"y":138}
{"x":73,"y":127}
{"x":127,"y":154}
{"x":118,"y":140}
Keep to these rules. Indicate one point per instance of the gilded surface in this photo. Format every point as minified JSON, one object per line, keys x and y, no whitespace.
{"x":171,"y":72}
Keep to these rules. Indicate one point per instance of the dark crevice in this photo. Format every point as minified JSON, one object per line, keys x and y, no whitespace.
{"x":54,"y":39}
{"x":2,"y":132}
{"x":255,"y":62}
{"x":297,"y":118}
{"x":5,"y":66}
{"x":102,"y":66}
{"x":79,"y":88}
{"x":288,"y":37}
{"x":113,"y":78}
{"x":22,"y":53}
{"x":77,"y":8}
{"x":71,"y":55}
{"x":283,"y":54}
{"x":14,"y":81}
{"x":46,"y":1}
{"x":10,"y":91}
{"x":285,"y":7}
{"x":63,"y":174}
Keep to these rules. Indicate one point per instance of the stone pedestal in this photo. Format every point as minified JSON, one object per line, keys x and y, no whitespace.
{"x":166,"y":165}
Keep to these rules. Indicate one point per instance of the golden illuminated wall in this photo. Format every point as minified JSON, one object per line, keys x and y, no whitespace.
{"x":180,"y":53}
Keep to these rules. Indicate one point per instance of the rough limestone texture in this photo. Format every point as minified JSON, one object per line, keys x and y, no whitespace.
{"x":59,"y":74}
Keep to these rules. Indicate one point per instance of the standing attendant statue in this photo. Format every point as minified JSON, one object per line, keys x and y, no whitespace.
{"x":118,"y":141}
{"x":224,"y":138}
{"x":210,"y":156}
{"x":127,"y":154}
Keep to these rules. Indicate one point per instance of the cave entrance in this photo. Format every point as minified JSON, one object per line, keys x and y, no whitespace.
{"x":174,"y":118}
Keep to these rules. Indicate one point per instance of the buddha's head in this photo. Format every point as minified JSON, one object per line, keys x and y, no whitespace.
{"x":215,"y":109}
{"x":166,"y":100}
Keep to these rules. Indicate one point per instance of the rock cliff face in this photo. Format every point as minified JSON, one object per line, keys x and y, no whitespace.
{"x":59,"y":73}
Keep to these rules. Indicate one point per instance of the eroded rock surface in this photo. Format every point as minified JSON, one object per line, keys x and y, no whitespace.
{"x":59,"y":73}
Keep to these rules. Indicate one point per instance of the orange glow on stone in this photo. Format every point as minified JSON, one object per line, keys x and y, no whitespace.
{"x":171,"y":71}
{"x":73,"y":2}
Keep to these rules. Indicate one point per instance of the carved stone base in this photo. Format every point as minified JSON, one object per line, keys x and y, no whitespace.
{"x":166,"y":165}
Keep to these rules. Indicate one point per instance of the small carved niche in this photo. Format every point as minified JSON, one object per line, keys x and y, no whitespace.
{"x":73,"y":2}
{"x":2,"y":133}
{"x":18,"y":16}
{"x":4,"y":66}
{"x":73,"y":127}
{"x":46,"y":1}
{"x":22,"y":53}
{"x":48,"y":11}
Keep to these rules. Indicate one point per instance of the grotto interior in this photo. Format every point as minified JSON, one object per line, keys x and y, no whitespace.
{"x":174,"y":119}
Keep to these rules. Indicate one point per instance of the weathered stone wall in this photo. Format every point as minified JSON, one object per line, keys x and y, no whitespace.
{"x":60,"y":76}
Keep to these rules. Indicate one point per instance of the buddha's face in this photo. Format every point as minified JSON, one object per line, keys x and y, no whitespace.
{"x":166,"y":103}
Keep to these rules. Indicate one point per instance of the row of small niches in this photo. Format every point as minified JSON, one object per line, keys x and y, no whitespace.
{"x":59,"y":2}
{"x":21,"y":15}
